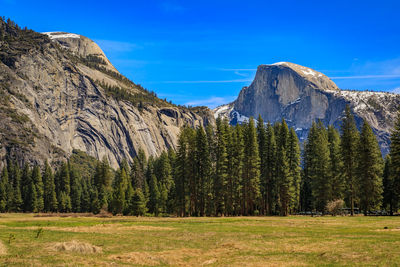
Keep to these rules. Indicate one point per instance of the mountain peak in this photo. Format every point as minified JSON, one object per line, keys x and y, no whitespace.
{"x":80,"y":45}
{"x":319,"y":79}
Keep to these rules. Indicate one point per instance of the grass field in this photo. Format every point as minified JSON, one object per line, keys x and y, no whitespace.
{"x":239,"y":241}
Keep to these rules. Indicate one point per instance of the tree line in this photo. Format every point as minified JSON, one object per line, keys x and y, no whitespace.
{"x":251,"y":169}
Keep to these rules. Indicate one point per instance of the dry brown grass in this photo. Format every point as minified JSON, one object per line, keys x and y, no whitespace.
{"x":3,"y":249}
{"x":101,"y":228}
{"x":75,"y":246}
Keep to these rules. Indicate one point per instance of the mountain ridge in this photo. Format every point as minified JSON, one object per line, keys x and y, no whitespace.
{"x":61,"y":94}
{"x":301,"y":95}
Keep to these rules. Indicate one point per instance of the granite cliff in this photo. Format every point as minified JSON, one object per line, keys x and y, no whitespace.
{"x":301,"y":95}
{"x":59,"y":92}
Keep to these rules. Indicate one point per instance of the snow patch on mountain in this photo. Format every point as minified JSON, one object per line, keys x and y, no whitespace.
{"x":59,"y":35}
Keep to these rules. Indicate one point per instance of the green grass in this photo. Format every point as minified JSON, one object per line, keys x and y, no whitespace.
{"x":235,"y":241}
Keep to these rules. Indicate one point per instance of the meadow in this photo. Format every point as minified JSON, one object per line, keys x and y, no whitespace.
{"x":32,"y":240}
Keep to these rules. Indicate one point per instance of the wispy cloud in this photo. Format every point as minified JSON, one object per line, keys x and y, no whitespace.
{"x":396,"y":90}
{"x":172,"y":7}
{"x":388,"y":76}
{"x":116,"y":46}
{"x":212,"y":102}
{"x":210,"y":81}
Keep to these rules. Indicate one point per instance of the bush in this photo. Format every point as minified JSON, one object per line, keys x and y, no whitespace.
{"x":334,"y":207}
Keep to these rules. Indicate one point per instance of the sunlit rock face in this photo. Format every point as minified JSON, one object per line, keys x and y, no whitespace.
{"x":301,"y":95}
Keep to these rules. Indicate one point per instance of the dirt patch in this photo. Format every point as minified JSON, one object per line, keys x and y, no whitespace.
{"x":3,"y":249}
{"x":178,"y":257}
{"x":76,"y":246}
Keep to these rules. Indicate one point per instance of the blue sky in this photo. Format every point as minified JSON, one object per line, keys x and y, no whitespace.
{"x":204,"y":52}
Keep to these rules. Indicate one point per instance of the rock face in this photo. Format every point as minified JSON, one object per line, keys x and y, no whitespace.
{"x":59,"y":92}
{"x":301,"y":95}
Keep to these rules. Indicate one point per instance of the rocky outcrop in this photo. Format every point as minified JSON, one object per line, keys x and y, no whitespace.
{"x":61,"y":93}
{"x":301,"y":95}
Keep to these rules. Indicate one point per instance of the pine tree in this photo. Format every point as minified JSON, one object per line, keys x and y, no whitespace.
{"x":138,"y":203}
{"x":39,"y":187}
{"x":370,"y":167}
{"x":336,"y":164}
{"x":271,"y":189}
{"x":283,"y":174}
{"x":180,"y":173}
{"x":102,"y":181}
{"x":3,"y":189}
{"x":119,"y":190}
{"x":319,"y":172}
{"x":50,"y":197}
{"x":237,"y":168}
{"x":263,"y":152}
{"x":210,"y":185}
{"x":154,"y":203}
{"x":203,"y":169}
{"x":64,"y":199}
{"x":76,"y":189}
{"x":29,"y":195}
{"x":221,"y":171}
{"x":16,"y":202}
{"x":293,"y":156}
{"x":389,"y":194}
{"x":395,"y":160}
{"x":85,"y":196}
{"x":251,"y":170}
{"x":348,"y":145}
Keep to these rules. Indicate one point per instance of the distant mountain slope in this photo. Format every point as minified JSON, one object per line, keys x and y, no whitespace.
{"x":59,"y":92}
{"x":302,"y":95}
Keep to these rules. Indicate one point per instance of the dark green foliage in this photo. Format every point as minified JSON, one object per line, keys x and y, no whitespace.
{"x":389,"y":194}
{"x":393,"y":185}
{"x":369,"y":172}
{"x":251,"y":170}
{"x":348,"y":145}
{"x":336,"y":164}
{"x":138,"y":203}
{"x":50,"y":196}
{"x":222,"y":171}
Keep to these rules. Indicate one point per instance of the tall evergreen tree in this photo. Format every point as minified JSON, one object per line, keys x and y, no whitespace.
{"x":221,"y":171}
{"x":336,"y":164}
{"x":50,"y":197}
{"x":203,"y":170}
{"x":39,"y":188}
{"x":395,"y":161}
{"x":271,"y":189}
{"x":64,"y":190}
{"x":29,"y":195}
{"x":263,"y":153}
{"x":181,"y":173}
{"x":293,"y":156}
{"x":370,"y":167}
{"x":237,"y":168}
{"x":138,"y":203}
{"x":3,"y":189}
{"x":76,"y":189}
{"x":348,"y":145}
{"x":120,"y":186}
{"x":251,"y":170}
{"x":319,"y":172}
{"x":389,"y":194}
{"x":16,"y":201}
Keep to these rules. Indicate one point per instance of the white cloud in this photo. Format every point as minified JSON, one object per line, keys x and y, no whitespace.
{"x":207,"y":81}
{"x":396,"y":90}
{"x":211,"y":102}
{"x":387,"y":76}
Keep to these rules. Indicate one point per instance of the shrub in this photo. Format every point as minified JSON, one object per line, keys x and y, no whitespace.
{"x":334,"y":207}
